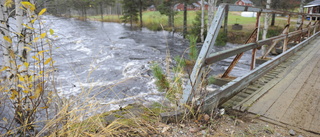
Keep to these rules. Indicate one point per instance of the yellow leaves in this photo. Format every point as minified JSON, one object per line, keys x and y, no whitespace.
{"x":51,"y":31}
{"x":34,"y":57}
{"x":20,"y":86}
{"x":26,"y":64}
{"x":35,"y":39}
{"x":38,"y":92}
{"x":8,"y":3}
{"x":8,"y":39}
{"x":21,"y":78}
{"x":4,"y":68}
{"x":28,"y":5}
{"x":28,"y":48}
{"x":43,"y":35}
{"x":44,"y":107}
{"x":5,"y":120}
{"x":47,"y":61}
{"x":14,"y":94}
{"x":42,"y":11}
{"x":41,"y":52}
{"x":28,"y":26}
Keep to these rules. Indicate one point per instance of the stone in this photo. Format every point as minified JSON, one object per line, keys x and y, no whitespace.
{"x":194,"y":130}
{"x":237,"y":27}
{"x":206,"y":117}
{"x":300,"y":136}
{"x":292,"y":132}
{"x":165,"y":129}
{"x":171,"y":117}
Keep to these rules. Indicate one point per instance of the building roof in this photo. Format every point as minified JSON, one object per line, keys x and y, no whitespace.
{"x":313,"y":3}
{"x":247,"y":1}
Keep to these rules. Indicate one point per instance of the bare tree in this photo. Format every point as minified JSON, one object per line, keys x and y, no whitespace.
{"x":202,"y":21}
{"x":211,"y":12}
{"x":266,"y":27}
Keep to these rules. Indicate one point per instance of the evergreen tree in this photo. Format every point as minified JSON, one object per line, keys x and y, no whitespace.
{"x":167,"y":8}
{"x":130,"y":11}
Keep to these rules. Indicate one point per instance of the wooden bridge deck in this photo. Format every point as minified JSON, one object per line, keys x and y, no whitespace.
{"x":294,"y":98}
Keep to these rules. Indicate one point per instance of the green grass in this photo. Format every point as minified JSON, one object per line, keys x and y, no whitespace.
{"x":107,"y":18}
{"x":153,"y":20}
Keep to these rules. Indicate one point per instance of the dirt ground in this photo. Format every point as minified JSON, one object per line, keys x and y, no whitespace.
{"x":233,"y":124}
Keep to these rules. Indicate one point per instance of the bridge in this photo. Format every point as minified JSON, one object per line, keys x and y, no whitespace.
{"x":284,"y":89}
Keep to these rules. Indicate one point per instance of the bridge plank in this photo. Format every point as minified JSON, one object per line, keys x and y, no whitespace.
{"x":261,"y":106}
{"x":278,"y":108}
{"x":315,"y":124}
{"x":302,"y":109}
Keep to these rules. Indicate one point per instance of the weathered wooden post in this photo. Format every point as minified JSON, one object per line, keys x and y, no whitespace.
{"x":225,"y":30}
{"x":254,"y":51}
{"x":286,"y":40}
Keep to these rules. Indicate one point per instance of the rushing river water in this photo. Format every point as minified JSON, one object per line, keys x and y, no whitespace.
{"x":112,"y":62}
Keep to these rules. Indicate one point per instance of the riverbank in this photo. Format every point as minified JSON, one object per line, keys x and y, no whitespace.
{"x":154,"y":21}
{"x":139,"y":120}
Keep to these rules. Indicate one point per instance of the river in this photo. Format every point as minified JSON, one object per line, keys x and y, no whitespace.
{"x":110,"y":63}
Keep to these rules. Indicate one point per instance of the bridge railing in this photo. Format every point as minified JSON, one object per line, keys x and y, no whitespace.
{"x":205,"y":58}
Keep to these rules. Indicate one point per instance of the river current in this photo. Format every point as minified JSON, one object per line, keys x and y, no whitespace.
{"x":111,"y":62}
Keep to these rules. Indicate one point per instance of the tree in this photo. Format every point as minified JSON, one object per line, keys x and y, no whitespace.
{"x":25,"y":91}
{"x":102,"y":4}
{"x":266,"y":26}
{"x":130,"y":11}
{"x":211,"y":11}
{"x":82,"y":6}
{"x":283,"y":5}
{"x":202,"y":21}
{"x":143,"y":4}
{"x":166,"y":8}
{"x":185,"y":15}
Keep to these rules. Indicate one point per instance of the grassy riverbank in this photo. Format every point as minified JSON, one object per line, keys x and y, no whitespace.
{"x":153,"y":20}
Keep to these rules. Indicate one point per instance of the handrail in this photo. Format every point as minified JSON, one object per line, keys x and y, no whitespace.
{"x":206,"y":58}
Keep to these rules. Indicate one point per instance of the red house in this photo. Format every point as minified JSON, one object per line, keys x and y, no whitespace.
{"x":244,"y":3}
{"x":193,"y":6}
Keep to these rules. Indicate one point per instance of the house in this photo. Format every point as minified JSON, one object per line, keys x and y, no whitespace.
{"x":193,"y":6}
{"x":313,"y":7}
{"x":151,"y":8}
{"x":244,"y":3}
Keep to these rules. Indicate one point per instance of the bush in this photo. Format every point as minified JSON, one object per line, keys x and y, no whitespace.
{"x":161,"y":80}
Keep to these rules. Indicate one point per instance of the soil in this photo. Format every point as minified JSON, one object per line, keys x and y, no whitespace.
{"x":234,"y":124}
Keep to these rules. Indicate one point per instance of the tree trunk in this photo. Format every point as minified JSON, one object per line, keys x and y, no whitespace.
{"x":6,"y":46}
{"x":202,"y":21}
{"x":173,"y":29}
{"x":170,"y":20}
{"x":131,"y":20}
{"x":266,"y":27}
{"x":185,"y":19}
{"x":211,"y":12}
{"x":273,"y":19}
{"x":19,"y":21}
{"x":101,"y":11}
{"x":140,"y":12}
